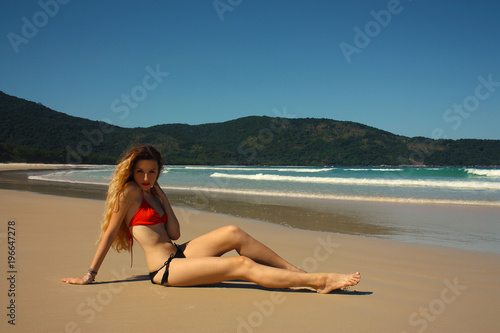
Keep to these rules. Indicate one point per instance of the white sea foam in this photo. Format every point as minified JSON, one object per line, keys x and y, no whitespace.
{"x":45,"y":178}
{"x":298,"y":169}
{"x":303,"y":170}
{"x":471,"y":185}
{"x":484,"y":172}
{"x":373,"y":169}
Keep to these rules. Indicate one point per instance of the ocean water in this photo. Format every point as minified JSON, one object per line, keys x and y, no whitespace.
{"x":455,"y":207}
{"x":460,"y":186}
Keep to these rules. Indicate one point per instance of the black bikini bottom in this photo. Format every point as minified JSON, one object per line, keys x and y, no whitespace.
{"x":164,"y":279}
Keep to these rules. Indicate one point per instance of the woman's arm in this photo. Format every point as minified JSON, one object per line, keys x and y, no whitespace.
{"x":125,"y":200}
{"x":172,"y":225}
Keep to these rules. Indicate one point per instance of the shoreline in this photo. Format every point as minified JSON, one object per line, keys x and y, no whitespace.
{"x":404,"y":287}
{"x":219,"y":190}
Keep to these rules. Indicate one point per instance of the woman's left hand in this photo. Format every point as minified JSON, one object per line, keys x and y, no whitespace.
{"x":158,"y":190}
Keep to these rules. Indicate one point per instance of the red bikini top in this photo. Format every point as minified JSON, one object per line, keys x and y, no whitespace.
{"x":145,"y":215}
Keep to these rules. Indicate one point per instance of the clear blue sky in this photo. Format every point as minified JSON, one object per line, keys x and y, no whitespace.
{"x":418,"y":74}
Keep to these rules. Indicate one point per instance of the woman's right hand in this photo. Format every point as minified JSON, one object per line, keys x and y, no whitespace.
{"x":78,"y":280}
{"x":88,"y":278}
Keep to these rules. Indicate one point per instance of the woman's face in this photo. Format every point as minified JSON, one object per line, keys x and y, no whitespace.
{"x":146,"y":173}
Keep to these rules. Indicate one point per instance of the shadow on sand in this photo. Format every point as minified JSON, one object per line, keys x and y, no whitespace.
{"x":240,"y":284}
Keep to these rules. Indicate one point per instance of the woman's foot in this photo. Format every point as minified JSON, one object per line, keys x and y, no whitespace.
{"x":335,"y":281}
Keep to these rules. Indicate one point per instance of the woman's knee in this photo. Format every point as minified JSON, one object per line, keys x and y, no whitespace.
{"x":243,"y":262}
{"x":234,"y":233}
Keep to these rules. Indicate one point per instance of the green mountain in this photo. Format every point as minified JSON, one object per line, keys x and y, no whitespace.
{"x":31,"y":132}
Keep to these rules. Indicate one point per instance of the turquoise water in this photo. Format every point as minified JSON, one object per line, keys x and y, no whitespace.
{"x":462,"y":186}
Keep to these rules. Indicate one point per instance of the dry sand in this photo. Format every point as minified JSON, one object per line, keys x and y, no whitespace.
{"x":404,"y":287}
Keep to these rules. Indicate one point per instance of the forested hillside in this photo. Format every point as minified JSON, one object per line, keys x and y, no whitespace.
{"x":31,"y":132}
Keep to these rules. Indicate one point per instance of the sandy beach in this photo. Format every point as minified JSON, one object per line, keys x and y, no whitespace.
{"x":404,"y":287}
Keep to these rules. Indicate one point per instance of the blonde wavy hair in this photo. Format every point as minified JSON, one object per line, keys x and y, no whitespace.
{"x":123,"y":174}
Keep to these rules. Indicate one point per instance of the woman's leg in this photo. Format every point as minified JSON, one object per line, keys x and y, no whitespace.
{"x":225,"y":239}
{"x":209,"y":270}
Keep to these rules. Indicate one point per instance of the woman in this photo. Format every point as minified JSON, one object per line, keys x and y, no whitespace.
{"x":137,"y":208}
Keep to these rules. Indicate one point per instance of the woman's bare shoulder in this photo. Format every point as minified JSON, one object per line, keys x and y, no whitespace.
{"x":131,"y":192}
